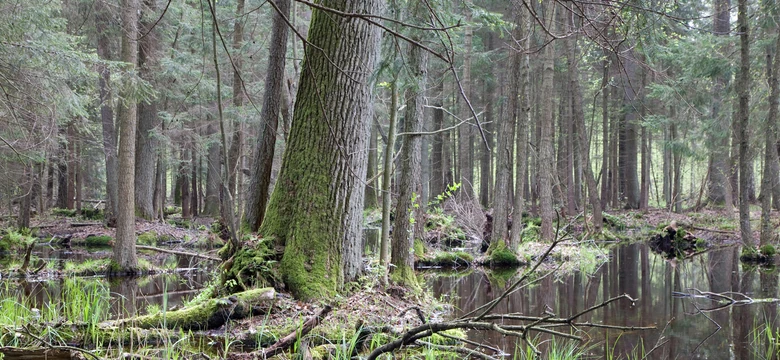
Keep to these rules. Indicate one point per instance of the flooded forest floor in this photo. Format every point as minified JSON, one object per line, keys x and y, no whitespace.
{"x":686,"y":292}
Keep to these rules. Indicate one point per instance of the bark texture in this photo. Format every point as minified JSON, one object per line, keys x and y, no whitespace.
{"x":546,"y":138}
{"x":102,"y":22}
{"x":124,"y":258}
{"x":263,"y":158}
{"x":717,"y":185}
{"x":743,"y":116}
{"x":407,"y":214}
{"x":316,"y":209}
{"x":148,"y":120}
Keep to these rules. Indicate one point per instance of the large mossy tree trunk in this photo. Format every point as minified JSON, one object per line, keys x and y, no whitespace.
{"x":316,"y":209}
{"x":263,"y":158}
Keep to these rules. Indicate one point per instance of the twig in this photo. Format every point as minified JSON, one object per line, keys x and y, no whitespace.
{"x":175,"y":252}
{"x":462,"y":350}
{"x":288,"y":340}
{"x":60,"y":347}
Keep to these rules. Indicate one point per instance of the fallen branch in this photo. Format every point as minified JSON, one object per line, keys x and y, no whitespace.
{"x":176,"y":252}
{"x":713,"y":230}
{"x":76,"y":224}
{"x":290,"y":339}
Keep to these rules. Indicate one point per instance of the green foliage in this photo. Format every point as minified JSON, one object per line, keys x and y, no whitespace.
{"x":419,"y":248}
{"x":450,"y":192}
{"x":64,"y":212}
{"x":499,"y":255}
{"x":14,"y":239}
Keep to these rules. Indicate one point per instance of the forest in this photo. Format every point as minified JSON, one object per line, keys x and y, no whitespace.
{"x":381,"y":179}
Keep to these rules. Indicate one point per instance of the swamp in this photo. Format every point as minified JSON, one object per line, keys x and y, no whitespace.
{"x":374,"y":179}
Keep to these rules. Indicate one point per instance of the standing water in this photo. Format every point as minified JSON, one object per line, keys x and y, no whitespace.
{"x":669,"y":295}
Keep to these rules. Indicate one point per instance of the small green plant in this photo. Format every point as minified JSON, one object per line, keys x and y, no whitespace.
{"x":451,"y":189}
{"x":148,"y":238}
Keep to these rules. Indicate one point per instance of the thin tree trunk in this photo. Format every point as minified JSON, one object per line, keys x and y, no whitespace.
{"x":605,"y":145}
{"x":743,"y":84}
{"x":769,"y":178}
{"x":521,"y":73}
{"x":465,"y":166}
{"x":260,"y":181}
{"x":438,"y":153}
{"x":546,"y":144}
{"x":387,"y":181}
{"x":408,"y":215}
{"x":184,"y":181}
{"x":102,"y":21}
{"x":234,"y":155}
{"x":148,"y":120}
{"x":211,"y":204}
{"x":124,"y":259}
{"x":373,"y":157}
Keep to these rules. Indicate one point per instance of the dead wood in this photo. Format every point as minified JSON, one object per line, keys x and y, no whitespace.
{"x":176,"y":252}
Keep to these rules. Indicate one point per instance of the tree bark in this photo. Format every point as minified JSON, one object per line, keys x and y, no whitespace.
{"x":148,"y":120}
{"x":102,"y":22}
{"x":373,"y":158}
{"x":124,"y":258}
{"x":211,"y":203}
{"x":743,"y":84}
{"x":630,"y":150}
{"x":257,"y":198}
{"x":521,"y":73}
{"x":234,"y":155}
{"x":316,"y":209}
{"x":465,"y":165}
{"x":546,"y":142}
{"x":717,"y":185}
{"x":769,"y":178}
{"x":438,"y":155}
{"x":407,"y":214}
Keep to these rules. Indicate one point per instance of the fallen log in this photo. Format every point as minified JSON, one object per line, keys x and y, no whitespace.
{"x":176,"y":252}
{"x":209,"y":314}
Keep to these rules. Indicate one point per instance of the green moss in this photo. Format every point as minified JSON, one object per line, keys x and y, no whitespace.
{"x":530,"y":232}
{"x":92,"y":214}
{"x":64,"y":212}
{"x":405,"y":276}
{"x":615,"y":222}
{"x":768,"y":250}
{"x":498,"y":254}
{"x":148,"y":238}
{"x":248,"y":268}
{"x":98,"y":240}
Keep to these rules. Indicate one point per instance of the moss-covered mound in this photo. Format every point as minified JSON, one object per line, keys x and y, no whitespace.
{"x":500,"y":255}
{"x":454,"y":259}
{"x":763,"y":256}
{"x":674,"y":242}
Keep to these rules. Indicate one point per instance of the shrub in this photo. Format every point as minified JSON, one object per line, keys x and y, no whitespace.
{"x":98,"y":240}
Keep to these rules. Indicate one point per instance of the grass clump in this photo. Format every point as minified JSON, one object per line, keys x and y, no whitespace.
{"x":98,"y":241}
{"x":64,"y":212}
{"x":768,"y":250}
{"x":87,"y":267}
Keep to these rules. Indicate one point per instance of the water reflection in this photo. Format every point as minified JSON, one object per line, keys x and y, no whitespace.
{"x":683,"y":330}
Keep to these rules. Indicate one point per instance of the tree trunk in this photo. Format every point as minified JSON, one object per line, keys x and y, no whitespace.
{"x":234,"y":155}
{"x":28,"y":189}
{"x":630,"y":164}
{"x":465,"y":165}
{"x":769,"y":178}
{"x":546,"y":142}
{"x":316,"y":209}
{"x":743,"y":84}
{"x":605,"y":143}
{"x":717,"y":185}
{"x":257,"y":198}
{"x":438,"y":154}
{"x":102,"y":22}
{"x":211,"y":203}
{"x":387,"y":180}
{"x":195,"y":169}
{"x":124,"y":259}
{"x":184,"y":181}
{"x":578,"y":118}
{"x":148,"y":120}
{"x":407,"y":214}
{"x":373,"y":158}
{"x":502,"y":199}
{"x":521,"y":74}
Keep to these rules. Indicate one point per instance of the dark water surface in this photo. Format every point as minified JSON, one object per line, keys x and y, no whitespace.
{"x":126,"y":296}
{"x":683,"y":331}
